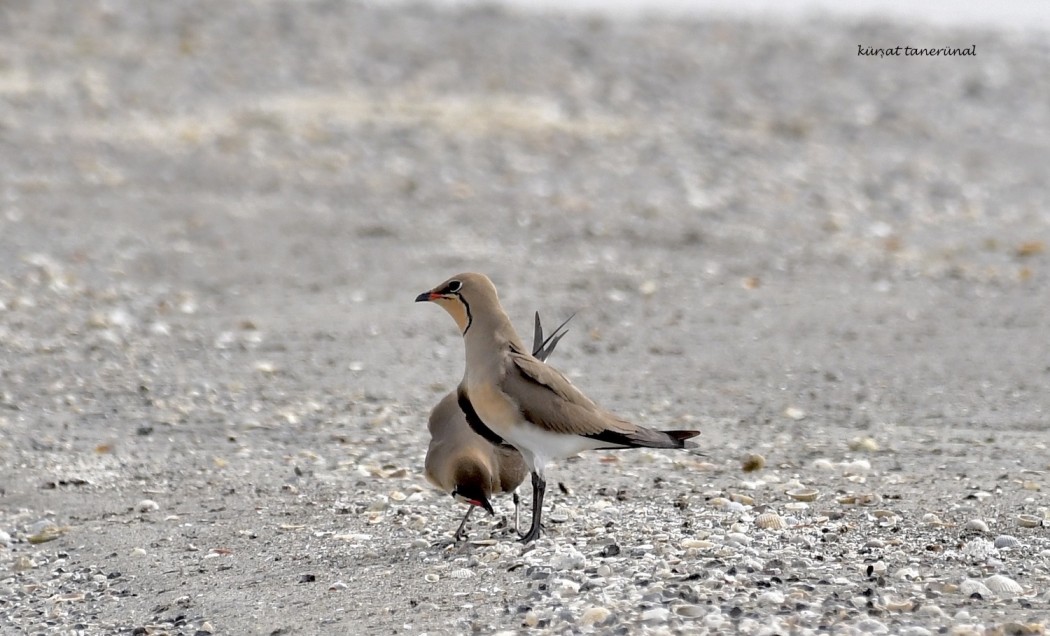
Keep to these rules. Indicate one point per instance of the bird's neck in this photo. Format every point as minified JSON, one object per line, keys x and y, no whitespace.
{"x":488,"y":341}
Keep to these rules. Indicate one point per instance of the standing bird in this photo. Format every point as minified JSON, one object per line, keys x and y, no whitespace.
{"x":465,"y":464}
{"x":509,"y":395}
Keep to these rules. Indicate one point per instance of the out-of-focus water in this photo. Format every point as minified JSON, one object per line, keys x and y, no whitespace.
{"x":1020,"y":15}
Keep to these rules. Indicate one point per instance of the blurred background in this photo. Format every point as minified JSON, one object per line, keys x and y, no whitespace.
{"x":214,"y":217}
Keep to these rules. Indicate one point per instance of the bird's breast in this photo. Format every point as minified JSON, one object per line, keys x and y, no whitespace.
{"x":495,"y":409}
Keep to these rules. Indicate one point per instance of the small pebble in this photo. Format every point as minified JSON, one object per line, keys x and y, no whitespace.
{"x":865,"y":444}
{"x":871,"y":626}
{"x":594,"y":615}
{"x":656,"y":615}
{"x":147,"y":505}
{"x":753,"y":463}
{"x":530,"y":619}
{"x":771,"y":598}
{"x":977,"y":525}
{"x":568,"y":558}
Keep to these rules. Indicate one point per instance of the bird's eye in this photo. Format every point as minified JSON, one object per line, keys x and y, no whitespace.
{"x":454,"y":286}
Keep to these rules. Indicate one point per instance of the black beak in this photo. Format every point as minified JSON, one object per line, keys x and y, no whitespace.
{"x":425,"y":297}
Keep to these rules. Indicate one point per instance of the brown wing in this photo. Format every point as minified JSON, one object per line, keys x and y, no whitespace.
{"x":548,"y":399}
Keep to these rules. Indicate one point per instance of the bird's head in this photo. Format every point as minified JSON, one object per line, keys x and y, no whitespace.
{"x":463,"y":296}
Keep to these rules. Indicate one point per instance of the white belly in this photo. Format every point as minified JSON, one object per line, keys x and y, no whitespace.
{"x":537,"y":445}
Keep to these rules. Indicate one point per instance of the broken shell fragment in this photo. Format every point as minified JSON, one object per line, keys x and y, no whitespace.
{"x":1029,"y":521}
{"x":742,"y":499}
{"x":1003,"y":585}
{"x":770,"y":521}
{"x":969,"y":587}
{"x":931,"y":519}
{"x":803,"y":494}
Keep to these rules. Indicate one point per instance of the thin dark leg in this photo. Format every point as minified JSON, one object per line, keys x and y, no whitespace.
{"x":517,"y":511}
{"x":459,"y":531}
{"x":539,"y":486}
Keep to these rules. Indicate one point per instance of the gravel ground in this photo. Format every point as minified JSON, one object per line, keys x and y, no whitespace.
{"x":214,"y":218}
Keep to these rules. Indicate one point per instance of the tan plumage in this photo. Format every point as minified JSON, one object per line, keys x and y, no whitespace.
{"x":507,"y":394}
{"x":466,"y":465}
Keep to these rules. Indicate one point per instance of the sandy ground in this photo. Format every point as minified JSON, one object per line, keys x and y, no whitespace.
{"x":214,"y":384}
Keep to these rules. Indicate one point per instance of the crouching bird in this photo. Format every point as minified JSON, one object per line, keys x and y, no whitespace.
{"x":508,"y":395}
{"x":468,"y":466}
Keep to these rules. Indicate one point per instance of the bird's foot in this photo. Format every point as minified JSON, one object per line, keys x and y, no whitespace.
{"x":533,"y":534}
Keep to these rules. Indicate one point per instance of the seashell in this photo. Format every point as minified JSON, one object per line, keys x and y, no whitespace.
{"x":969,"y":587}
{"x":1003,"y":585}
{"x":824,"y":464}
{"x":865,"y":499}
{"x":1005,"y":541}
{"x":738,"y":538}
{"x":430,"y":577}
{"x":718,"y":502}
{"x":23,"y":563}
{"x":907,"y":573}
{"x":977,"y":525}
{"x":881,"y":514}
{"x":752,"y":463}
{"x":796,"y":506}
{"x":795,"y":413}
{"x":1029,"y":521}
{"x":742,"y":499}
{"x":931,"y":519}
{"x":856,"y":467}
{"x":49,"y":533}
{"x":899,"y":605}
{"x":690,"y":611}
{"x":930,"y":611}
{"x":804,"y":494}
{"x":770,"y":521}
{"x":735,"y":506}
{"x":866,"y":444}
{"x":1028,"y":484}
{"x":699,"y":544}
{"x":397,"y":495}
